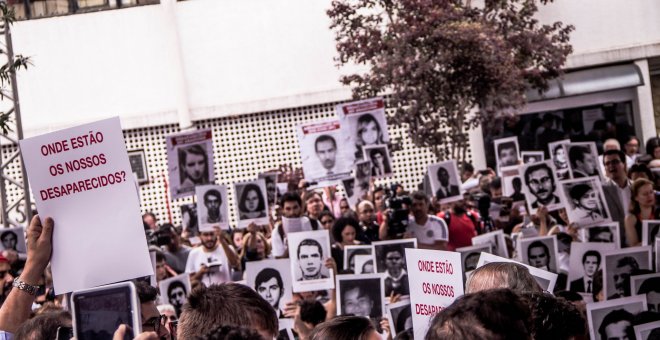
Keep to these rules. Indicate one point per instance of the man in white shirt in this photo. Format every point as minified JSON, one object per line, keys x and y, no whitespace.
{"x":430,"y":231}
{"x":211,"y":262}
{"x":291,"y":204}
{"x":617,"y":175}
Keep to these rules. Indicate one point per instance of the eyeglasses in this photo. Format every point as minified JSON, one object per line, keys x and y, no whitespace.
{"x":154,"y":323}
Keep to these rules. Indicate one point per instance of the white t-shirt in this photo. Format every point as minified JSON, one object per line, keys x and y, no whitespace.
{"x":220,"y":274}
{"x":435,"y":229}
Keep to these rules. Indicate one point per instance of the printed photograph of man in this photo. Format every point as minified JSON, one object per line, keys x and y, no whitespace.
{"x":177,"y":295}
{"x":618,"y":270}
{"x":193,"y":166}
{"x":559,"y":159}
{"x":396,"y":276}
{"x":271,"y":187}
{"x":325,"y":147}
{"x":444,"y":180}
{"x":600,"y":234}
{"x":541,"y":186}
{"x":380,"y":160}
{"x":583,"y":161}
{"x":614,"y":319}
{"x":506,"y":151}
{"x":270,"y":286}
{"x":540,"y":252}
{"x":212,"y":207}
{"x":530,"y":157}
{"x":591,"y":263}
{"x":310,"y":259}
{"x":538,"y":255}
{"x":617,"y":325}
{"x":651,"y":288}
{"x":361,"y":296}
{"x":9,"y":240}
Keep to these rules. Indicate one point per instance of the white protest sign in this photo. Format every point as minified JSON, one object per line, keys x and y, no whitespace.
{"x":436,"y":280}
{"x":81,"y":177}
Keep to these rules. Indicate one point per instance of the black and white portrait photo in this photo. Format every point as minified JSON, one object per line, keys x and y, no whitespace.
{"x":496,"y":241}
{"x":381,"y":163}
{"x":647,"y":331}
{"x":445,"y":181}
{"x":363,"y":123}
{"x":586,"y":201}
{"x":308,"y":251}
{"x":251,"y":203}
{"x":614,"y":319}
{"x":529,"y":157}
{"x":541,"y":187}
{"x":212,"y":207}
{"x":649,"y":231}
{"x":649,"y":285}
{"x":391,"y":259}
{"x":400,"y":316}
{"x":559,"y":158}
{"x":583,"y":159}
{"x":364,"y":264}
{"x":470,"y":255}
{"x":619,"y":266}
{"x":175,"y":291}
{"x":362,"y":175}
{"x":539,"y":252}
{"x":512,"y":187}
{"x":190,"y":161}
{"x":586,"y":259}
{"x":349,"y":255}
{"x":189,"y":220}
{"x":324,"y":152}
{"x":361,"y":295}
{"x":353,"y":193}
{"x":601,"y":233}
{"x":272,"y":194}
{"x":272,"y":280}
{"x":13,"y":239}
{"x":506,"y":152}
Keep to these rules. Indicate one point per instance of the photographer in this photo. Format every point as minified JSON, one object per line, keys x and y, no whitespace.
{"x":176,"y":254}
{"x":462,"y":224}
{"x":430,"y":231}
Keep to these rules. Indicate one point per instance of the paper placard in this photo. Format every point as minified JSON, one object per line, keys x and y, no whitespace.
{"x":435,"y":278}
{"x":81,"y":175}
{"x":175,"y":291}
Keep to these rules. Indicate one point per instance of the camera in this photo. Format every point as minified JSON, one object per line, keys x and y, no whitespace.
{"x":397,"y":218}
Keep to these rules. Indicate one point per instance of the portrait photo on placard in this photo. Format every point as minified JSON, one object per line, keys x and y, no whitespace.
{"x":251,"y":203}
{"x":583,"y":160}
{"x":381,"y":162}
{"x":363,"y":123}
{"x":13,"y":239}
{"x":399,"y":315}
{"x":649,"y":231}
{"x":512,"y":187}
{"x":470,"y":255}
{"x":445,"y":181}
{"x":390,"y":259}
{"x":541,"y":186}
{"x":546,"y":280}
{"x":189,"y":161}
{"x":351,"y":192}
{"x":539,"y":252}
{"x":325,"y":155}
{"x":649,"y":285}
{"x":647,"y":331}
{"x":362,"y":171}
{"x":507,"y":152}
{"x":496,"y":241}
{"x":601,"y":233}
{"x":364,"y":264}
{"x":285,"y":329}
{"x":272,"y":280}
{"x":189,"y":220}
{"x":529,"y":157}
{"x":349,"y":255}
{"x":559,"y":158}
{"x":175,"y":291}
{"x":619,"y":266}
{"x":272,"y":193}
{"x":308,"y":251}
{"x":586,"y":258}
{"x":586,"y":203}
{"x":212,"y":207}
{"x":361,"y":295}
{"x":614,"y":319}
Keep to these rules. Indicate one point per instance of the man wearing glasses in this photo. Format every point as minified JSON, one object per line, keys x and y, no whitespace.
{"x":541,"y":184}
{"x":152,"y":321}
{"x":617,"y":175}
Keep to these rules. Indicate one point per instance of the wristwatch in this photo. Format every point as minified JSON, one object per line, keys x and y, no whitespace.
{"x":30,"y":289}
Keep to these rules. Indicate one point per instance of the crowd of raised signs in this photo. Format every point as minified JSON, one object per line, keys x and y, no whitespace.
{"x":554,"y":244}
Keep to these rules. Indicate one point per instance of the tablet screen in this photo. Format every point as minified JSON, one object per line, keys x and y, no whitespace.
{"x":99,"y":313}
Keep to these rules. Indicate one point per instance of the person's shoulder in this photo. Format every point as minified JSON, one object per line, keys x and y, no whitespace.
{"x":435,"y":220}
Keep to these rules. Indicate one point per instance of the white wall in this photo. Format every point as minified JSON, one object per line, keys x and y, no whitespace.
{"x":237,"y":57}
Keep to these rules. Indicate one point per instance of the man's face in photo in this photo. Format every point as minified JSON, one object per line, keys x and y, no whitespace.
{"x":212,"y":204}
{"x":310,"y":260}
{"x":271,"y":292}
{"x":9,"y":241}
{"x":587,"y":164}
{"x":377,"y":158}
{"x":443,"y":177}
{"x":327,"y":153}
{"x":177,"y":297}
{"x":356,"y":304}
{"x":393,"y":261}
{"x":508,"y":156}
{"x":538,"y":257}
{"x":622,"y":279}
{"x":602,"y":237}
{"x":591,"y":265}
{"x":541,"y":184}
{"x":653,"y":301}
{"x":194,"y":166}
{"x":618,"y":330}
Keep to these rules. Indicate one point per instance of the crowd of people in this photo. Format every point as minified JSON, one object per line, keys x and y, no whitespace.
{"x":502,"y":300}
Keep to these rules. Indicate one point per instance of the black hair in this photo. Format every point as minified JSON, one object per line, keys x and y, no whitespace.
{"x":576,"y":153}
{"x":310,"y":242}
{"x":146,"y":292}
{"x":342,"y":223}
{"x":621,"y":154}
{"x":174,"y":285}
{"x":247,"y":188}
{"x":554,"y":318}
{"x":312,"y":311}
{"x":290,"y":197}
{"x":324,"y":138}
{"x":616,"y":316}
{"x":267,"y":274}
{"x":537,"y":167}
{"x":213,"y":192}
{"x":650,"y":285}
{"x":591,"y":253}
